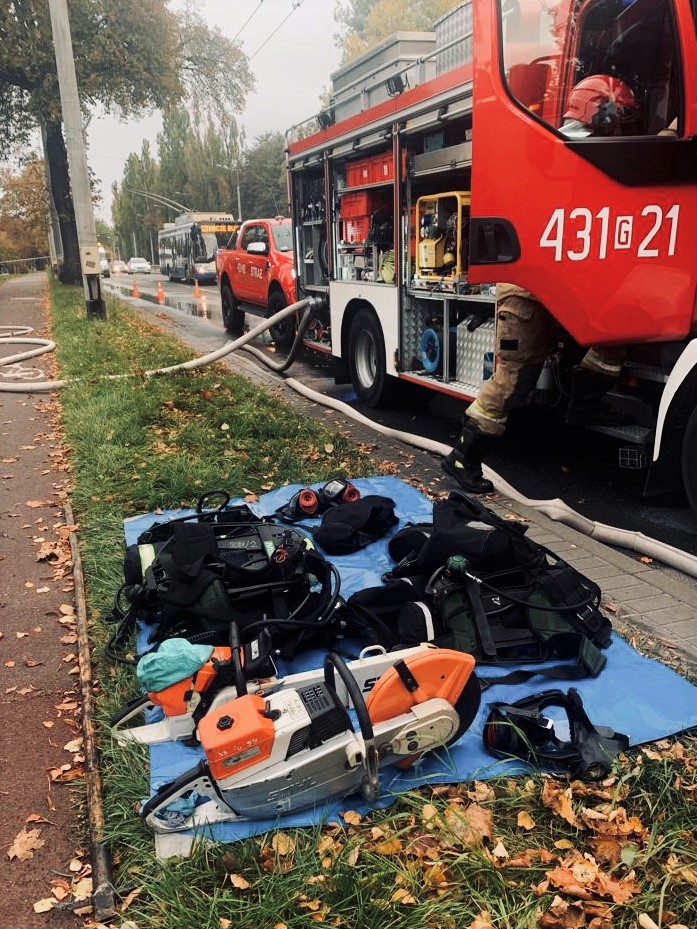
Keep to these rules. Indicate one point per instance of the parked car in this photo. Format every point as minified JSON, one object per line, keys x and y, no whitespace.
{"x":119,"y":267}
{"x":139,"y":266}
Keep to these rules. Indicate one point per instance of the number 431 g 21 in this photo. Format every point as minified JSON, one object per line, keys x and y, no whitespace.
{"x":652,"y":234}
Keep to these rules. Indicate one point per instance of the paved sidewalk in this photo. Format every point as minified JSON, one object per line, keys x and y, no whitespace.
{"x":40,"y":734}
{"x":658,"y":602}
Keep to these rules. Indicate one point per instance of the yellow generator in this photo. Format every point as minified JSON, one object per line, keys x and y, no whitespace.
{"x":441,"y":249}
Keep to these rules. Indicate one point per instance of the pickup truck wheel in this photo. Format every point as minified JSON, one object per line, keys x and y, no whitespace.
{"x":689,"y":460}
{"x":282,"y":333}
{"x":233,"y":316}
{"x":367,"y":361}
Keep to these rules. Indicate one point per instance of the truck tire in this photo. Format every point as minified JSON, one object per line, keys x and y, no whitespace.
{"x":367,"y":361}
{"x":689,"y":460}
{"x":283,"y":333}
{"x":233,"y":316}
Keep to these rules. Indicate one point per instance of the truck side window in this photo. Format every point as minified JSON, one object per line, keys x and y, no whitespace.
{"x":251,"y":234}
{"x":595,"y":68}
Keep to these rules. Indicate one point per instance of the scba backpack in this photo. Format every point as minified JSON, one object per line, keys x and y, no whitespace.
{"x":475,"y":582}
{"x":192,"y":577}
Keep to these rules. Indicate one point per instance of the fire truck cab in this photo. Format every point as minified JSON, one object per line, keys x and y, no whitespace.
{"x":551,"y":145}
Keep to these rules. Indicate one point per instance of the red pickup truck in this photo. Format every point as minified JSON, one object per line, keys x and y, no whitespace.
{"x":256,"y":274}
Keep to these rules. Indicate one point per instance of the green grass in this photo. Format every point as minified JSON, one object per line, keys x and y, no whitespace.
{"x":136,"y":444}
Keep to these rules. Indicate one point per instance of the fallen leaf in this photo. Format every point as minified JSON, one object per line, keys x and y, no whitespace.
{"x":25,"y":844}
{"x":499,"y":851}
{"x":471,"y":825}
{"x":283,"y":844}
{"x":402,"y":895}
{"x":239,"y":882}
{"x":525,"y":820}
{"x":529,"y":857}
{"x":388,"y":847}
{"x":483,"y":921}
{"x":562,"y":915}
{"x":127,"y":900}
{"x":351,"y":817}
{"x":481,"y":792}
{"x":558,"y":799}
{"x":43,"y":906}
{"x":82,"y":890}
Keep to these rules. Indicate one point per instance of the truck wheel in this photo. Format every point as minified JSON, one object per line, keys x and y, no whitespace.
{"x":367,"y":361}
{"x":689,"y":460}
{"x":282,"y":333}
{"x":233,"y":316}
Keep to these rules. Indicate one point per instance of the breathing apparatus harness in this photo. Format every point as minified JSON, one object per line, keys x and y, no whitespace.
{"x":194,"y":575}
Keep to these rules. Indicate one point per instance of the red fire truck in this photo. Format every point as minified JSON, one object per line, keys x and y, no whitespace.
{"x":440,"y":168}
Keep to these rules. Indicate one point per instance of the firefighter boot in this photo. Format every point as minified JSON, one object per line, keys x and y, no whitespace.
{"x":586,"y":407}
{"x":464,"y":463}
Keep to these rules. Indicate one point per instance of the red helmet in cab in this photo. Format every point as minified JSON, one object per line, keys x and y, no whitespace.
{"x":601,"y":102}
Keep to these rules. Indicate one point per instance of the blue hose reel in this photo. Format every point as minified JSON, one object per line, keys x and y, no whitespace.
{"x":431,"y":350}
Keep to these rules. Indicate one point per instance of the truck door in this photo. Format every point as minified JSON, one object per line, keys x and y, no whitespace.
{"x":257,"y":260}
{"x":244,"y":259}
{"x":584,"y":161}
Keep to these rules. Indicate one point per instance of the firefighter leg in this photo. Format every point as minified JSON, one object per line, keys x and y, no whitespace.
{"x":592,"y":379}
{"x":464,"y":463}
{"x":524,"y":332}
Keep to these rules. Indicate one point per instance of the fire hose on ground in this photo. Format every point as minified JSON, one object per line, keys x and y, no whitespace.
{"x":555,"y":509}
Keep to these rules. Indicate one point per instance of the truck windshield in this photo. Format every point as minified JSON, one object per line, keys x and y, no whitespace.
{"x":282,"y":236}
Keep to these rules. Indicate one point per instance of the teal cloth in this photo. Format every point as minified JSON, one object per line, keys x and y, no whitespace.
{"x":173,"y":661}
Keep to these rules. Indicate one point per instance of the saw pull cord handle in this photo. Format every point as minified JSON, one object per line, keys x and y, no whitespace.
{"x":370,"y":785}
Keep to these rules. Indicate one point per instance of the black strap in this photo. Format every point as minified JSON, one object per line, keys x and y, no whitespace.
{"x":486,"y":639}
{"x":561,"y":672}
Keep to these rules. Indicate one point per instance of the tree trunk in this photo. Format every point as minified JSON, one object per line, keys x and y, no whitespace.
{"x":71,"y":271}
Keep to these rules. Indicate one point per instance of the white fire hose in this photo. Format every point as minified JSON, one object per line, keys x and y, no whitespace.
{"x":554,"y":509}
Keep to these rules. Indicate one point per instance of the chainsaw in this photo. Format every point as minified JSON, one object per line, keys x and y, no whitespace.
{"x":295,"y":748}
{"x":183,"y":703}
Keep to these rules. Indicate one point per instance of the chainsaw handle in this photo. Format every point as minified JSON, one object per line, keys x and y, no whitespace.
{"x":370,"y":784}
{"x":154,"y":811}
{"x":130,"y":710}
{"x":334,"y":662}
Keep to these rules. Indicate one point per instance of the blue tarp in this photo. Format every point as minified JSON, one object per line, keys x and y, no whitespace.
{"x":634,"y":695}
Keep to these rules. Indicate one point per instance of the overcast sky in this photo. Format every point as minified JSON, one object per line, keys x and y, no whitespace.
{"x":291,"y":70}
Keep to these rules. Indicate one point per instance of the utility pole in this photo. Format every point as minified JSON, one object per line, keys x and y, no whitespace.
{"x":77,"y":161}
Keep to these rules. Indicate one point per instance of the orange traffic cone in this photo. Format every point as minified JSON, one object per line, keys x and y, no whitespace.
{"x":197,"y":289}
{"x":160,"y":294}
{"x":135,"y":292}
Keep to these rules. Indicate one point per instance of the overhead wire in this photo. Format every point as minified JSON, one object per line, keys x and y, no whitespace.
{"x":253,"y":13}
{"x":296,"y":6}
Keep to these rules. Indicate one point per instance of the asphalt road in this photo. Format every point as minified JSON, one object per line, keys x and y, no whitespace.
{"x":539,"y":455}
